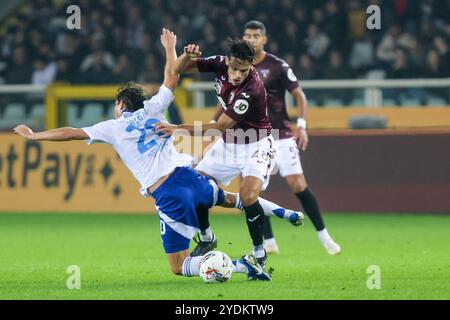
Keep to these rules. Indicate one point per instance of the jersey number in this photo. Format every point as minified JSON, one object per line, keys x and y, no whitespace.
{"x":148,"y":128}
{"x":162,"y":225}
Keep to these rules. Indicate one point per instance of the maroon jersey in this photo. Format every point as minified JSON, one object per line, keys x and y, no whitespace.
{"x":246,"y":103}
{"x":278,"y":77}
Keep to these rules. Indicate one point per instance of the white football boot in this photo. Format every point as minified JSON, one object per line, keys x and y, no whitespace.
{"x":332,"y":247}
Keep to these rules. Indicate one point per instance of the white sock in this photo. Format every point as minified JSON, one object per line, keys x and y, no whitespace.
{"x":239,"y":267}
{"x":259,"y":252}
{"x":272,"y":209}
{"x":207,"y":235}
{"x":323,"y":235}
{"x":191,"y":266}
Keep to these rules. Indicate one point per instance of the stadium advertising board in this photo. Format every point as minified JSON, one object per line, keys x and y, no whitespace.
{"x":45,"y":176}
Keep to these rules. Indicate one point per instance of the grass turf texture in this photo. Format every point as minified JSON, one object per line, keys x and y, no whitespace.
{"x":121,"y":257}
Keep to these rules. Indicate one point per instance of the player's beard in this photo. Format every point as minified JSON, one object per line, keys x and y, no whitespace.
{"x":258,"y":51}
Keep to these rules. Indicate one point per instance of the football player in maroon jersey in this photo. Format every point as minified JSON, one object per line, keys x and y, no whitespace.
{"x":279,"y":77}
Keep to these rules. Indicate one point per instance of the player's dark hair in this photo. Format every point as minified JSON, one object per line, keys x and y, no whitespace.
{"x":255,"y":25}
{"x":241,"y":49}
{"x":133,"y":95}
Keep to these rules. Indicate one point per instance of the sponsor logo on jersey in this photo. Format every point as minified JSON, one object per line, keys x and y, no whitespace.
{"x":240,"y":106}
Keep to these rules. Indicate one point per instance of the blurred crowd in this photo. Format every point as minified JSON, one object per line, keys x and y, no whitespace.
{"x":321,"y":39}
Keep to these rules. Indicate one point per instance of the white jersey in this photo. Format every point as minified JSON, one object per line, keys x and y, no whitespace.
{"x":148,"y":155}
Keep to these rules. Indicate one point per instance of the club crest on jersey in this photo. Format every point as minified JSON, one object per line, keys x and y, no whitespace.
{"x":264,"y":73}
{"x":240,"y":106}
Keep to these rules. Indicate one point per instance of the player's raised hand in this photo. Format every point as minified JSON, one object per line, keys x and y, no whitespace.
{"x":165,"y":129}
{"x":192,"y":50}
{"x":302,"y":138}
{"x":24,"y":131}
{"x":168,"y":39}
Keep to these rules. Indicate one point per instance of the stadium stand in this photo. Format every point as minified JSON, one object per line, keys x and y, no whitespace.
{"x":320,"y":39}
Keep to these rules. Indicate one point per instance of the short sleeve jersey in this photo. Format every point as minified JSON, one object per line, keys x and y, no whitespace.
{"x":147,"y":154}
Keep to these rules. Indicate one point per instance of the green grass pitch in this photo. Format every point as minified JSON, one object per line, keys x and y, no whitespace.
{"x":121,"y":257}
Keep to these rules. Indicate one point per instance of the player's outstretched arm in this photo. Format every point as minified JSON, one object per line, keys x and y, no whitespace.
{"x":60,"y":134}
{"x":169,"y":42}
{"x":212,"y":129}
{"x":187,"y":61}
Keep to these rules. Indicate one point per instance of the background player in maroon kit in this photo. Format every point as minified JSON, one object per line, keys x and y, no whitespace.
{"x":246,"y":147}
{"x":279,"y":77}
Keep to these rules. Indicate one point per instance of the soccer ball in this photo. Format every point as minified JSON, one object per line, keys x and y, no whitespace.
{"x":216,"y":266}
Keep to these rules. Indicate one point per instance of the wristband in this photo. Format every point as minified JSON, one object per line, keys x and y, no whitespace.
{"x":301,"y":123}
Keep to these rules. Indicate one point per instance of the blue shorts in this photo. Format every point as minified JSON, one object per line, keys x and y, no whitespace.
{"x":176,"y":201}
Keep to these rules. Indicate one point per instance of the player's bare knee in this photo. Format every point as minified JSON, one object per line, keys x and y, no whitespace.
{"x":249,"y":190}
{"x":297,"y":183}
{"x":248,"y":196}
